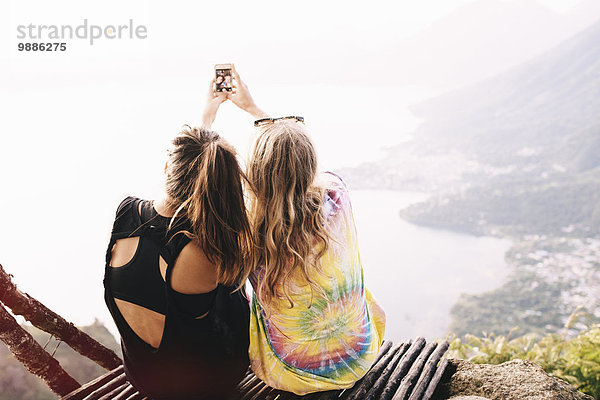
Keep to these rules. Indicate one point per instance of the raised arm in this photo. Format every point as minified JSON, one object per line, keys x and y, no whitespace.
{"x":240,"y":96}
{"x":213,"y":101}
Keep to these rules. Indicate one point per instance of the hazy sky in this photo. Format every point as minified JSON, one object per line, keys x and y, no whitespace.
{"x":559,"y":5}
{"x":240,"y":31}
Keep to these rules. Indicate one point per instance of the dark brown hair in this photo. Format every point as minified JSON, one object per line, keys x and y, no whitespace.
{"x":204,"y":180}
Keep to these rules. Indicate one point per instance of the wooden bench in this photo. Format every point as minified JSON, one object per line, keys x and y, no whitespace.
{"x":409,"y":371}
{"x":405,"y":371}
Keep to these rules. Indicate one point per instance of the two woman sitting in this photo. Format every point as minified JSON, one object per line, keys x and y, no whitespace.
{"x":176,"y":269}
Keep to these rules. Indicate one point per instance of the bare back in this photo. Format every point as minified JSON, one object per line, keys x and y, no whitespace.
{"x":192,"y":274}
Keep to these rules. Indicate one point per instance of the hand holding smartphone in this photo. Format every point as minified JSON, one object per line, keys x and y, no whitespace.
{"x":241,"y":97}
{"x":223,"y":78}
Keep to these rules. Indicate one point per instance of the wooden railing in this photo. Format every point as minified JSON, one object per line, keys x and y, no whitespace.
{"x":33,"y":356}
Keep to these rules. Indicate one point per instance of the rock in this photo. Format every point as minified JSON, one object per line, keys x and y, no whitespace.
{"x":468,"y":398}
{"x":512,"y":380}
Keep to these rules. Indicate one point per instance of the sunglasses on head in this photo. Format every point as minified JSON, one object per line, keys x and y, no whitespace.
{"x":266,"y":121}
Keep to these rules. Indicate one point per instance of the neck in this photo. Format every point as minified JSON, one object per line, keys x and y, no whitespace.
{"x":165,"y":206}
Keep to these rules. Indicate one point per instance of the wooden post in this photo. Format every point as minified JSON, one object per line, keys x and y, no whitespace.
{"x":33,"y":356}
{"x":49,"y":321}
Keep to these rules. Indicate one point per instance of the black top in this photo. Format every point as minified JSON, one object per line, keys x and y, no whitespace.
{"x":196,"y":358}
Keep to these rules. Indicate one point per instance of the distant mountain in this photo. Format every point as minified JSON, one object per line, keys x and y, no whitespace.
{"x":546,"y":111}
{"x":539,"y":125}
{"x":517,"y":153}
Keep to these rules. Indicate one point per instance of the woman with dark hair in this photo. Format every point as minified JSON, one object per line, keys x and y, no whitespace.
{"x":314,"y":326}
{"x":172,"y":270}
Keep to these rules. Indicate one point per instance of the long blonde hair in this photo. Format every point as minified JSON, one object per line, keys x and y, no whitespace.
{"x":285,"y":210}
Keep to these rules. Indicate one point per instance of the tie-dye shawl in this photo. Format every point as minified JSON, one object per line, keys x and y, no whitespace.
{"x":321,"y":343}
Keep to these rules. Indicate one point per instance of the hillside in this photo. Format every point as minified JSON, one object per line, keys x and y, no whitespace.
{"x":538,"y":128}
{"x":544,"y":112}
{"x":515,"y":156}
{"x":518,"y":153}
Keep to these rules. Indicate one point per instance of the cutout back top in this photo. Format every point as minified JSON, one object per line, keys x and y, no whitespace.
{"x":196,"y":357}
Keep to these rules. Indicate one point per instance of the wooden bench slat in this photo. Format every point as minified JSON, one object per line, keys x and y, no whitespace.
{"x":124,"y":395}
{"x":417,"y":364}
{"x":106,"y":388}
{"x":362,"y":387}
{"x":428,"y":371}
{"x":411,"y":377}
{"x":115,"y":392}
{"x":436,"y":379}
{"x":89,"y":387}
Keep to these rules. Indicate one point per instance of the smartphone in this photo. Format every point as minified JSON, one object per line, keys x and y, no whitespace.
{"x":223,"y":78}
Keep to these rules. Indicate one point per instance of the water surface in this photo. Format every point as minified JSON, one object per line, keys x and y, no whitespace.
{"x":417,"y":273}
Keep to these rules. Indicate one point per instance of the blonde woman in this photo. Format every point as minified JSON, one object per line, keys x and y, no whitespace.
{"x":313,"y":325}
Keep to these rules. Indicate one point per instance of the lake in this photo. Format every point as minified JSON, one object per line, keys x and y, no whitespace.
{"x":417,"y":273}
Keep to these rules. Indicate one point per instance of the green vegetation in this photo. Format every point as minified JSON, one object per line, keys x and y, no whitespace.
{"x":575,"y":360}
{"x":517,"y":207}
{"x":524,"y":300}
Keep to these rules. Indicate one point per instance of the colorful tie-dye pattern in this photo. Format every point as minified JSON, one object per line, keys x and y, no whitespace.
{"x":333,"y":342}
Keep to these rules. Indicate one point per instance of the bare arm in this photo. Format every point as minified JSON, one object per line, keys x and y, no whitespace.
{"x":240,"y":96}
{"x":213,"y":101}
